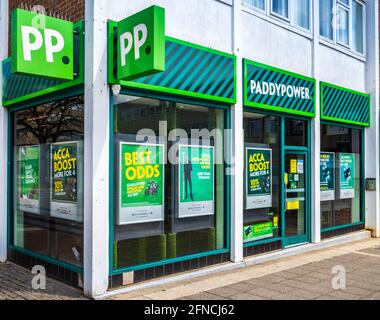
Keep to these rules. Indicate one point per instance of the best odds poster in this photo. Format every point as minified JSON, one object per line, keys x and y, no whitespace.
{"x":64,"y":181}
{"x":327,"y":176}
{"x":141,"y":197}
{"x":259,"y":178}
{"x":196,"y":181}
{"x":346,"y":175}
{"x":29,"y":178}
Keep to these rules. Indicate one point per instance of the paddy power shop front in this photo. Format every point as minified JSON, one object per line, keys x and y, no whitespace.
{"x":278,"y":106}
{"x":170,"y":194}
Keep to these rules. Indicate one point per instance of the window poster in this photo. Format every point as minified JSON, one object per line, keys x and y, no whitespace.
{"x":141,"y":184}
{"x":258,"y":178}
{"x":65,"y":172}
{"x":196,"y":181}
{"x":258,"y":231}
{"x":29,"y":178}
{"x":346,"y":175}
{"x":327,"y":176}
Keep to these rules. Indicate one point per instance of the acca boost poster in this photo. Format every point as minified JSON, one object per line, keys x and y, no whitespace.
{"x":327,"y":176}
{"x":258,"y":178}
{"x":196,"y":181}
{"x":65,"y":181}
{"x":29,"y":178}
{"x":141,"y":184}
{"x":346,"y":175}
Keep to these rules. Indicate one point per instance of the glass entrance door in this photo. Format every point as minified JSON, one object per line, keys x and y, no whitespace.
{"x":295,"y":198}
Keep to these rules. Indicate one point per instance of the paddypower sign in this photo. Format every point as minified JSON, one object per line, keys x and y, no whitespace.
{"x":275,"y":89}
{"x":42,"y":45}
{"x":141,"y":44}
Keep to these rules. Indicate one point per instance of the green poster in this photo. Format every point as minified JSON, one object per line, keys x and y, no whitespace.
{"x":258,"y":178}
{"x":141,"y":183}
{"x":196,"y":181}
{"x":64,"y":181}
{"x":258,"y":231}
{"x":29,"y":178}
{"x":327,"y":176}
{"x":346,"y":175}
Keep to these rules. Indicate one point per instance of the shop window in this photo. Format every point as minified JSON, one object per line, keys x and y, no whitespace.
{"x":295,"y":132}
{"x":262,"y":186}
{"x":169,"y":190}
{"x":47,"y":207}
{"x":340,"y":174}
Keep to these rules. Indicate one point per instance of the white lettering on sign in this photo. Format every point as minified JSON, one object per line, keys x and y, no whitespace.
{"x":280,"y":90}
{"x":33,"y":40}
{"x":126,"y":42}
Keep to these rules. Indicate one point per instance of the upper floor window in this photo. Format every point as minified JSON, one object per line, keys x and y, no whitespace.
{"x":293,"y":12}
{"x":342,"y":22}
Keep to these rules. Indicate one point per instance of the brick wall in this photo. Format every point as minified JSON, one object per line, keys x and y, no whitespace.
{"x":72,"y":10}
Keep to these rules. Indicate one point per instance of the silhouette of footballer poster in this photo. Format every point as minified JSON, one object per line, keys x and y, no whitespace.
{"x":29,"y":178}
{"x":346,"y":176}
{"x":327,"y":176}
{"x":196,"y":181}
{"x":258,"y":178}
{"x":65,"y":171}
{"x":141,"y":184}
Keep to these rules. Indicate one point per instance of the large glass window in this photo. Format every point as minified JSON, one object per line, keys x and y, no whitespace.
{"x":169,"y":186}
{"x":347,"y":18}
{"x":281,"y":8}
{"x":340,"y":174}
{"x":262,"y":174}
{"x":47,"y":207}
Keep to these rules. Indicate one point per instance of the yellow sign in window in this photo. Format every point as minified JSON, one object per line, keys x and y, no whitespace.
{"x":292,"y":205}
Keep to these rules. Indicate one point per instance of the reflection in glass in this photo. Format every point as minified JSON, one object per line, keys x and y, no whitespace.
{"x":47,"y":211}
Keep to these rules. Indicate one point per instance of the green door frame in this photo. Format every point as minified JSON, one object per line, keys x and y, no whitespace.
{"x":295,"y":240}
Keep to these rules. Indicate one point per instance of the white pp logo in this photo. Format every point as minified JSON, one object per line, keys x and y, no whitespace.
{"x":34,"y":40}
{"x":127,"y":41}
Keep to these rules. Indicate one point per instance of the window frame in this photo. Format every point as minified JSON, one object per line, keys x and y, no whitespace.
{"x":338,"y":4}
{"x":287,"y":21}
{"x":362,"y":175}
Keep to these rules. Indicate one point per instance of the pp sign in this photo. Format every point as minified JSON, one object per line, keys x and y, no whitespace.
{"x":42,"y":46}
{"x":141,"y":44}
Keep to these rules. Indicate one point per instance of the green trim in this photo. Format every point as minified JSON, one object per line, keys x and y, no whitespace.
{"x":47,"y":259}
{"x":342,"y":227}
{"x":260,"y":242}
{"x":112,"y":25}
{"x":168,"y":261}
{"x":340,"y":120}
{"x":247,"y":62}
{"x":227,"y":181}
{"x":79,"y":27}
{"x":43,"y":92}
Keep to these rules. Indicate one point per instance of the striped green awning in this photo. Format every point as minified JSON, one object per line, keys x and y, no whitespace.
{"x":18,"y":88}
{"x":344,"y":105}
{"x":274,"y":89}
{"x":190,"y":70}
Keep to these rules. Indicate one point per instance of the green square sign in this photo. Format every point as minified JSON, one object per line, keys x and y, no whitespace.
{"x":42,"y":45}
{"x":141,"y":44}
